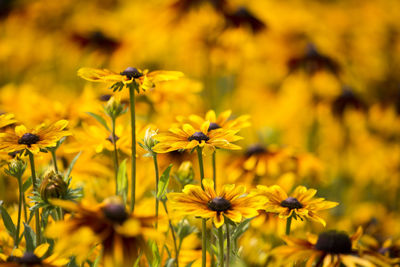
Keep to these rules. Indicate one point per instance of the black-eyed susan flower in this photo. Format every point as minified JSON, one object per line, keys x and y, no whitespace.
{"x":188,"y":138}
{"x":231,"y":202}
{"x":221,"y":121}
{"x":34,"y":140}
{"x":145,"y":79}
{"x":301,"y":204}
{"x":122,"y":235}
{"x":329,"y":249}
{"x":36,"y":258}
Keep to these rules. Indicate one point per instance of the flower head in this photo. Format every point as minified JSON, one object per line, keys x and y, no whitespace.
{"x":331,"y":248}
{"x":34,"y":140}
{"x":143,"y":78}
{"x":231,"y":202}
{"x":300,"y":204}
{"x":188,"y":138}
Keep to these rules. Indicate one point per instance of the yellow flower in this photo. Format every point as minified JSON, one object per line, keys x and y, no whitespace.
{"x":33,"y":259}
{"x":189,"y":138}
{"x":231,"y":202}
{"x":222,"y":121}
{"x":6,"y":119}
{"x":300,"y":204}
{"x":329,"y":249}
{"x":41,"y":137}
{"x":145,"y":79}
{"x":121,"y":234}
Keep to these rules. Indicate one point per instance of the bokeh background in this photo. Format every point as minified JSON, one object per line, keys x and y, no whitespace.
{"x":320,"y":80}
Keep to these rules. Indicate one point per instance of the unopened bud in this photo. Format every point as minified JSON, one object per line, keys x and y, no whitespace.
{"x":53,"y":186}
{"x":114,"y":108}
{"x":16,"y":168}
{"x":185,"y":173}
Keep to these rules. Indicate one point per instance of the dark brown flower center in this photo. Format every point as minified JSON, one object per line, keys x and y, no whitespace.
{"x":291,"y":203}
{"x":219,"y":204}
{"x":334,"y":242}
{"x":115,"y":213}
{"x":111,"y":139}
{"x":105,"y":97}
{"x":213,"y":126}
{"x":28,"y":139}
{"x":199,"y":136}
{"x":255,"y":149}
{"x":132,"y":73}
{"x":13,"y":259}
{"x":30,"y":259}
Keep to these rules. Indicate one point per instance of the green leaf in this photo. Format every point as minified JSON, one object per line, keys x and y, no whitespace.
{"x":163,"y":183}
{"x":122,"y":180}
{"x":190,"y":264}
{"x":240,"y":229}
{"x":26,"y":185}
{"x":30,"y":238}
{"x":71,"y":166}
{"x":8,"y":223}
{"x":99,"y":119}
{"x":155,"y":253}
{"x":170,"y":262}
{"x":136,"y":264}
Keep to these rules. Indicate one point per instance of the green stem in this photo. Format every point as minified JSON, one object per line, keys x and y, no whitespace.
{"x":214,"y":169}
{"x":228,"y":244}
{"x":25,"y":210}
{"x":53,"y":155}
{"x":288,"y":223}
{"x":114,"y":141}
{"x":16,"y":241}
{"x":157,"y":179}
{"x":173,"y":235}
{"x":37,"y":218}
{"x":221,"y":246}
{"x":204,"y":225}
{"x":132,"y":88}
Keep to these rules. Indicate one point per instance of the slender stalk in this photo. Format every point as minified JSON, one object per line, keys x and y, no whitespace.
{"x":288,"y":223}
{"x":16,"y":241}
{"x":53,"y":155}
{"x":228,"y":245}
{"x":214,"y":169}
{"x":157,"y":179}
{"x":221,"y":246}
{"x":114,"y":141}
{"x":25,"y":210}
{"x":204,"y":225}
{"x":132,"y":87}
{"x":173,"y":235}
{"x":37,"y":218}
{"x":215,"y":187}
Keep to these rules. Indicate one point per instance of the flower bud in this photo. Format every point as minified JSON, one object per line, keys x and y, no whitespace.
{"x":114,"y":108}
{"x":149,"y":141}
{"x":16,"y":168}
{"x":53,"y":186}
{"x":185,"y":173}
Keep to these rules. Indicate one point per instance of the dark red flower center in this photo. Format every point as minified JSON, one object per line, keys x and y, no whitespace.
{"x":291,"y":203}
{"x":28,"y":139}
{"x":132,"y":73}
{"x":219,"y":204}
{"x":115,"y":213}
{"x":334,"y":242}
{"x":30,"y":259}
{"x":213,"y":126}
{"x":199,"y":136}
{"x":255,"y":149}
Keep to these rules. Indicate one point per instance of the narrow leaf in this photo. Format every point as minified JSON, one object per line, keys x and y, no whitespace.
{"x":71,"y":166}
{"x":26,"y":185}
{"x":8,"y":223}
{"x":99,"y":119}
{"x":163,"y":183}
{"x":30,"y":238}
{"x":122,"y":180}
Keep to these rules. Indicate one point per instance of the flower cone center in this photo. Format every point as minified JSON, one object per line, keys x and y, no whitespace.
{"x":255,"y":149}
{"x":219,"y":204}
{"x":213,"y":126}
{"x":28,"y":139}
{"x":334,"y":242}
{"x":199,"y":136}
{"x":132,"y":73}
{"x":115,"y":213}
{"x":111,"y":139}
{"x":30,"y":259}
{"x":291,"y":203}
